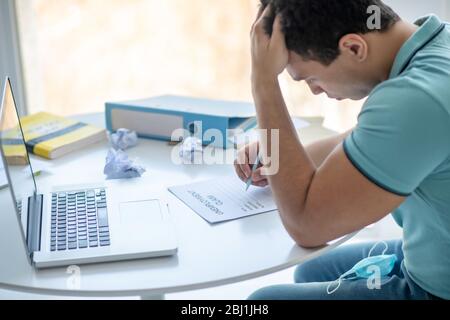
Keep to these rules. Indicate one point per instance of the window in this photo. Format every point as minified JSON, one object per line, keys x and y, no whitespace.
{"x":78,"y":54}
{"x":10,"y":62}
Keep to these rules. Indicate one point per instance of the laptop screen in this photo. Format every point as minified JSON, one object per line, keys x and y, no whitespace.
{"x":15,"y":156}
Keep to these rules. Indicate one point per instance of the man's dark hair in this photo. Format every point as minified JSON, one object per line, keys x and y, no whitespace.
{"x":313,"y":28}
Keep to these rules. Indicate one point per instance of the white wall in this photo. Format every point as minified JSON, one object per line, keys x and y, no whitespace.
{"x":412,"y":9}
{"x":447,"y":5}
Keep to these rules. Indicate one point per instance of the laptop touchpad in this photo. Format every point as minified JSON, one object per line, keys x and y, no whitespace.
{"x":140,"y":214}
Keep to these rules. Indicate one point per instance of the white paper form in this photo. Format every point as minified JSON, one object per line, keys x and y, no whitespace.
{"x":225,"y":199}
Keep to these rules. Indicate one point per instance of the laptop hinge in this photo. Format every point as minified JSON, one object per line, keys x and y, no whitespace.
{"x":34,"y":224}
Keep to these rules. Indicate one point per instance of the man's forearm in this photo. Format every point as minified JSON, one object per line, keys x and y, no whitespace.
{"x":296,"y":168}
{"x":320,"y":150}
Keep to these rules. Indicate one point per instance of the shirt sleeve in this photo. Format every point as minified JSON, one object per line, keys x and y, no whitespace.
{"x":400,"y":138}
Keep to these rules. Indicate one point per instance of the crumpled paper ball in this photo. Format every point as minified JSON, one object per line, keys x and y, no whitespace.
{"x":120,"y":166}
{"x":123,"y":139}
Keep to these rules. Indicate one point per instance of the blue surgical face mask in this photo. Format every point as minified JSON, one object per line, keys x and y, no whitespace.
{"x":364,"y":269}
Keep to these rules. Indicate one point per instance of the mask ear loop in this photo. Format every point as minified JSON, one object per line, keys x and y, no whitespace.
{"x":339,"y":281}
{"x":375,"y":245}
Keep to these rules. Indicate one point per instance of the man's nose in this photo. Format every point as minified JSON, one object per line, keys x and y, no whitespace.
{"x":316,"y":90}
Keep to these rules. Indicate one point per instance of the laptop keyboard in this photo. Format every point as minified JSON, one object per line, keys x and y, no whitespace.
{"x":79,"y":220}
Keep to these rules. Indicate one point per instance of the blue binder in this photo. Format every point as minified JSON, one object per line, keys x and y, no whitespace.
{"x":159,"y":117}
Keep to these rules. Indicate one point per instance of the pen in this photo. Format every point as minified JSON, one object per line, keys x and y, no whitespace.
{"x":255,"y":166}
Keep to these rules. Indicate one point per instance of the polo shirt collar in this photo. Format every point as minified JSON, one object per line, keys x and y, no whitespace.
{"x":430,"y":26}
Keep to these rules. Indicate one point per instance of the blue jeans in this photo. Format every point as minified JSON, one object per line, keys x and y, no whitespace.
{"x":313,"y":277}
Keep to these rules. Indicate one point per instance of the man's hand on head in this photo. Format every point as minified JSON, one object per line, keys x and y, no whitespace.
{"x":269,"y":53}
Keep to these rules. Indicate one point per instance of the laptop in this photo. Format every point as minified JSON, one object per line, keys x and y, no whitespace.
{"x":83,"y":224}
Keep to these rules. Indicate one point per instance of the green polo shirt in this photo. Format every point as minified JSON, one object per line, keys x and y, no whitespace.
{"x":402,"y":144}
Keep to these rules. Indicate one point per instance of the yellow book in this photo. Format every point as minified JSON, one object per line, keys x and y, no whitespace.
{"x":13,"y":147}
{"x":51,"y":137}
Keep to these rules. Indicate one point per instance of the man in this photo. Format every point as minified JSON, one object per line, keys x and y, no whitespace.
{"x":396,"y":160}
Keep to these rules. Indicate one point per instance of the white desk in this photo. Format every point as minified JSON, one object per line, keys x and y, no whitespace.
{"x":208,"y":255}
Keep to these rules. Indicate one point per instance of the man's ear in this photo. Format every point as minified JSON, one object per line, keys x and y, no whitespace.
{"x":354,"y":46}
